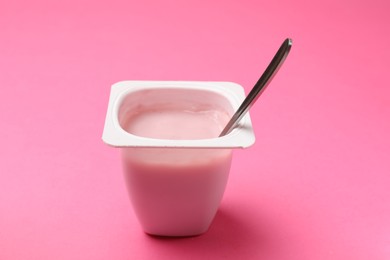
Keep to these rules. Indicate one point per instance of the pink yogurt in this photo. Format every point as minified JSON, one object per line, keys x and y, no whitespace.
{"x":175,"y":165}
{"x":175,"y":192}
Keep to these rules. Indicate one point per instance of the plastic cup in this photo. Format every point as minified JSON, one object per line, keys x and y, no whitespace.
{"x":175,"y":182}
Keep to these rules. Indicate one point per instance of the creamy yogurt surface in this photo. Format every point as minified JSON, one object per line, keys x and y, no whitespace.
{"x":177,"y":123}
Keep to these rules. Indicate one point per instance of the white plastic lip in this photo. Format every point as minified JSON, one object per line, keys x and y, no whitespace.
{"x":114,"y":135}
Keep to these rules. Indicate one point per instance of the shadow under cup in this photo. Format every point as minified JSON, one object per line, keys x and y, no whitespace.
{"x":176,"y":167}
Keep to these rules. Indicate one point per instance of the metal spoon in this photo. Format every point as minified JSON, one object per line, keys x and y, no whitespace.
{"x":260,"y":86}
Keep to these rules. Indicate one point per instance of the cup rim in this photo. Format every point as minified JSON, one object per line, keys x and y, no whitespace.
{"x":114,"y":135}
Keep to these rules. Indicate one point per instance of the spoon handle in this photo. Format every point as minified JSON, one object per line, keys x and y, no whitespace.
{"x":260,"y":86}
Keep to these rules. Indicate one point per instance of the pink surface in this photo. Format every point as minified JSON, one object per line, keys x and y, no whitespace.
{"x":316,"y":185}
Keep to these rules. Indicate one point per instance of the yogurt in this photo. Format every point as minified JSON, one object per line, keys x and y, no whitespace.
{"x":176,"y":167}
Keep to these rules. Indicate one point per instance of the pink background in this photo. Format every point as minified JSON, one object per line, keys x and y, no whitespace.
{"x":316,"y":185}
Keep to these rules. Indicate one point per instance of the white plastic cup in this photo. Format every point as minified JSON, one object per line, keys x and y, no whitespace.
{"x":175,"y":186}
